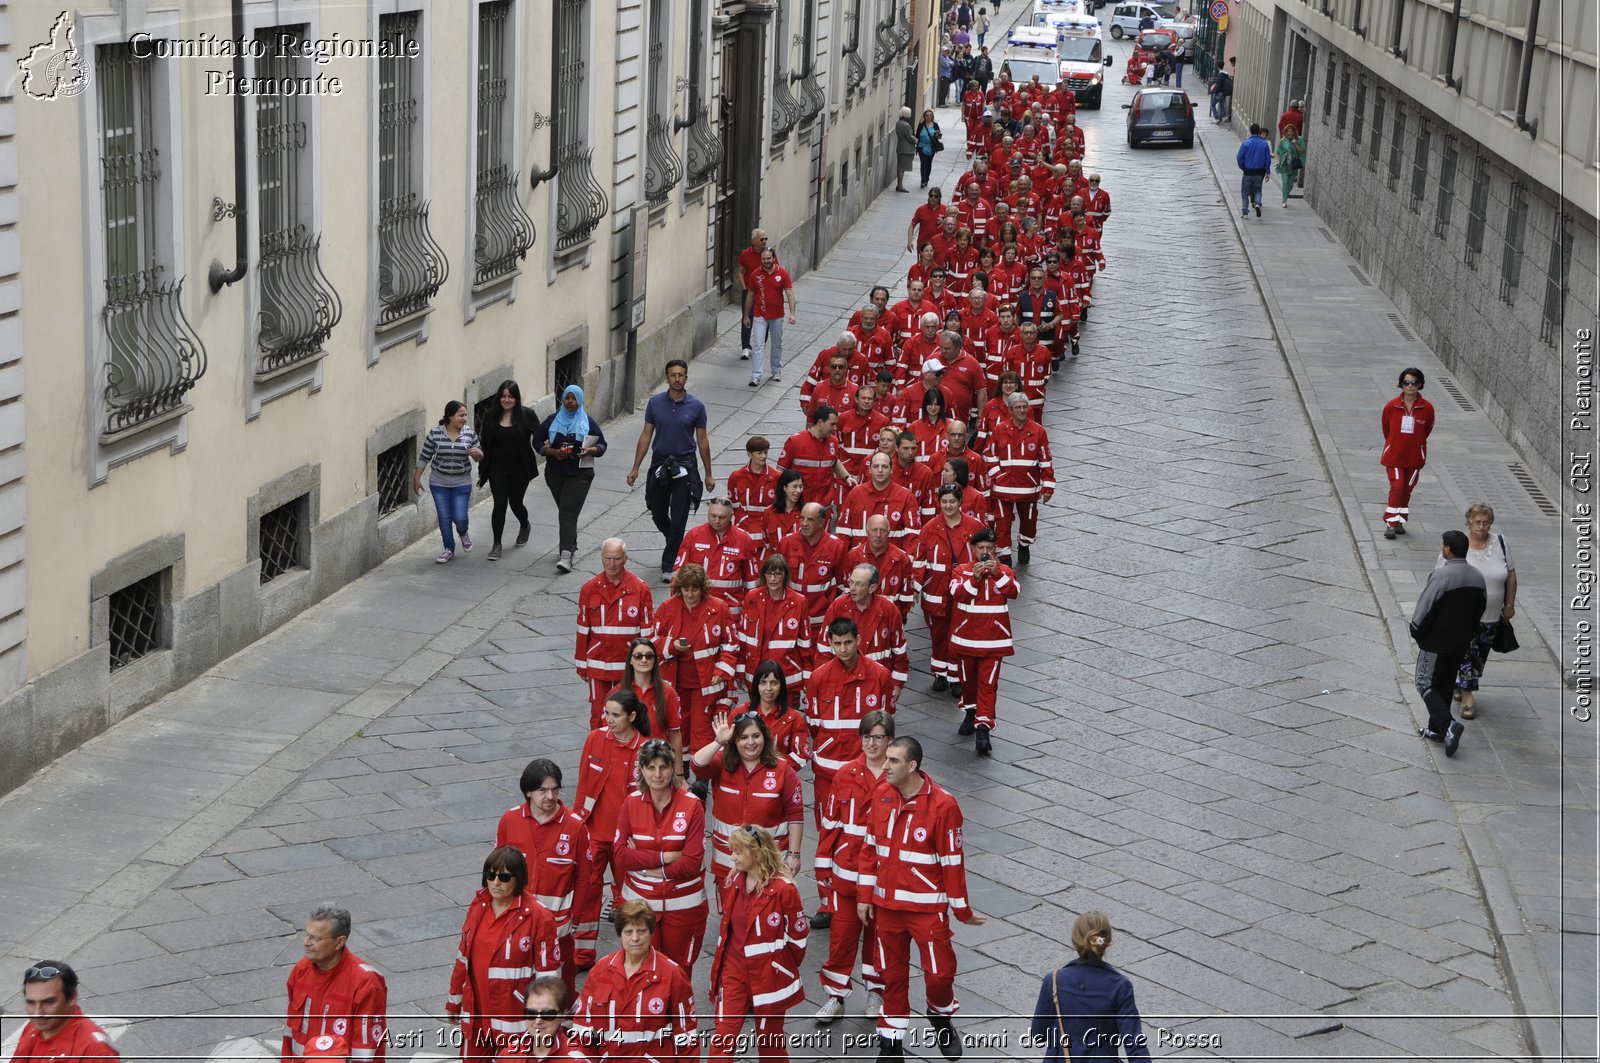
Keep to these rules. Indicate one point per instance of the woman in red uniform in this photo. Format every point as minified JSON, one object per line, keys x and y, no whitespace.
{"x":547,"y":1007}
{"x":605,"y":774}
{"x":762,"y":943}
{"x":783,"y":516}
{"x":995,"y":411}
{"x":973,"y":502}
{"x":931,"y":428}
{"x":944,"y":542}
{"x":698,"y":641}
{"x":775,"y":625}
{"x":507,"y":939}
{"x":769,"y":695}
{"x":1407,"y":420}
{"x":660,"y":854}
{"x":751,"y":488}
{"x":637,"y":1003}
{"x":922,"y":268}
{"x":640,"y":675}
{"x":751,"y":784}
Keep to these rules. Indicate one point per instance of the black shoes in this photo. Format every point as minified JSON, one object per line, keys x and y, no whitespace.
{"x":1389,"y":532}
{"x":1399,"y":529}
{"x":522,"y":536}
{"x":891,"y":1051}
{"x":1023,"y":556}
{"x":955,"y":690}
{"x":940,"y":684}
{"x":984,"y":750}
{"x":1452,"y":737}
{"x":1258,"y":210}
{"x":822,"y":920}
{"x":945,"y":1036}
{"x":969,"y":723}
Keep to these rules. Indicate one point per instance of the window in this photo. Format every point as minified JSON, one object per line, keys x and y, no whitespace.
{"x":1375,"y":137}
{"x":1511,"y":254}
{"x":502,"y":230}
{"x":1447,"y":186}
{"x":568,"y":371}
{"x":785,"y":108}
{"x":283,"y":539}
{"x":663,"y":168}
{"x":152,"y":357}
{"x":1356,"y":126}
{"x":1327,"y":88}
{"x":1396,"y":140}
{"x":705,"y":150}
{"x":1419,"y":166}
{"x":299,"y":306}
{"x":394,"y":476}
{"x":1477,"y":209}
{"x":135,"y":614}
{"x":411,"y":266}
{"x":812,"y":100}
{"x":1555,"y":279}
{"x":580,"y":201}
{"x":855,"y":68}
{"x":1344,"y":100}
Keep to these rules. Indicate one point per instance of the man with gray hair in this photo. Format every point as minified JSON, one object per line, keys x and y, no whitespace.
{"x":883,"y":634}
{"x":821,"y":387}
{"x":1442,"y":624}
{"x":963,"y":382}
{"x":333,"y":992}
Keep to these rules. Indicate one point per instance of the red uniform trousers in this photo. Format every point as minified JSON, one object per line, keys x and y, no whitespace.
{"x":846,"y":934}
{"x":980,"y":684}
{"x":681,"y":935}
{"x":734,"y":1006}
{"x":586,"y":902}
{"x":1022,"y":512}
{"x":895,"y":930}
{"x":598,"y":690}
{"x":1401,"y":483}
{"x":940,"y":661}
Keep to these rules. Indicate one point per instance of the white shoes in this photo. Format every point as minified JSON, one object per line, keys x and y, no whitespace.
{"x":831,"y":1011}
{"x":744,"y":355}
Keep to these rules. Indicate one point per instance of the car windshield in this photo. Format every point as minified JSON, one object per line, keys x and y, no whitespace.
{"x":1156,"y":101}
{"x":1024,"y":67}
{"x":1081,"y":49}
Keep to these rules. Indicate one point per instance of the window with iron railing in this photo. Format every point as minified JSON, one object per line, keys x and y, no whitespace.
{"x":1344,"y":101}
{"x":704,"y":149}
{"x":1396,"y":146}
{"x":1477,"y":210}
{"x":662,"y":167}
{"x":1556,"y":275}
{"x":502,"y":230}
{"x":1327,"y":84}
{"x":1447,"y":186}
{"x":1511,"y":253}
{"x":1419,"y":166}
{"x":580,"y":201}
{"x":1358,"y":120}
{"x":785,"y":108}
{"x":411,"y":266}
{"x":136,"y":617}
{"x":812,"y":100}
{"x":855,"y":68}
{"x":153,"y":356}
{"x":299,"y":306}
{"x":394,"y":476}
{"x":1375,"y":137}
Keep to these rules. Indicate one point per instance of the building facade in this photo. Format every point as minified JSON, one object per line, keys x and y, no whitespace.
{"x":265,"y":241}
{"x":1451,"y":144}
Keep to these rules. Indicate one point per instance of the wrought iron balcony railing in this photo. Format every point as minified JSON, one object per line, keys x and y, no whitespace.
{"x":705,"y":150}
{"x":299,"y":306}
{"x":883,"y":45}
{"x":662,"y":169}
{"x":504,"y":231}
{"x":855,"y":68}
{"x":902,"y":29}
{"x":154,"y":355}
{"x":812,"y":98}
{"x":785,"y":108}
{"x":411,"y":265}
{"x":580,"y":201}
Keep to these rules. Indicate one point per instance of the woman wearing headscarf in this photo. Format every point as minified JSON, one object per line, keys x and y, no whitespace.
{"x":572,"y":440}
{"x":508,"y":464}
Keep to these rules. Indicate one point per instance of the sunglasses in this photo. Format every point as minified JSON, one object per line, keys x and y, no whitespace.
{"x":542,"y":1014}
{"x":499,"y":876}
{"x":1410,"y":384}
{"x":643,"y":656}
{"x":42,"y":974}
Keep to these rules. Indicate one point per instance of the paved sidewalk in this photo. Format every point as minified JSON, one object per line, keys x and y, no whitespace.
{"x":1524,"y":784}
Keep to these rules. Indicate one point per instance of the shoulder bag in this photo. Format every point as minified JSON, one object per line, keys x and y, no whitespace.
{"x":1505,"y":638}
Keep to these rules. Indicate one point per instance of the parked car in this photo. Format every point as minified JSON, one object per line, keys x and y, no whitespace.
{"x":1125,"y":18}
{"x":1083,"y":69}
{"x":1160,"y":115}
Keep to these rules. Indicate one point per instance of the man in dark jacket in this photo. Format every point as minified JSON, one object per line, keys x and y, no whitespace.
{"x":1442,"y":625}
{"x":1255,"y":162}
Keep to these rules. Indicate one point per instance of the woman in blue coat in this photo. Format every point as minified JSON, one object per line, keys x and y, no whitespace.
{"x":1089,"y":1003}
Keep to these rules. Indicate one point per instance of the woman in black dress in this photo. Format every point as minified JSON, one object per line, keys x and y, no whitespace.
{"x":509,"y":463}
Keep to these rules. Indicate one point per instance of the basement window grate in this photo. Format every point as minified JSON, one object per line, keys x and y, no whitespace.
{"x":1400,"y":326}
{"x":394,"y":476}
{"x":135,"y":621}
{"x":1362,"y":277}
{"x":281,"y":539}
{"x":1540,"y":499}
{"x":1452,"y":389}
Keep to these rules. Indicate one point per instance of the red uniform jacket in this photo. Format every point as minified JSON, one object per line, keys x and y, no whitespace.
{"x":896,"y":573}
{"x":940,"y":548}
{"x":883,"y":634}
{"x":776,"y":630}
{"x":980,"y":623}
{"x":844,"y":823}
{"x":858,"y":438}
{"x":774,"y":943}
{"x":1022,"y":466}
{"x":912,"y":858}
{"x":835,"y":702}
{"x":1033,"y":366}
{"x":766,"y":797}
{"x":713,"y":640}
{"x":977,"y":467}
{"x":1007,"y":281}
{"x":977,"y":215}
{"x":815,"y":570}
{"x":609,"y":615}
{"x":920,"y":481}
{"x":905,"y":320}
{"x":350,"y":1000}
{"x":555,"y":852}
{"x":826,"y":393}
{"x":864,"y":501}
{"x":877,"y":347}
{"x":751,"y":495}
{"x":79,"y":1038}
{"x":1403,"y":449}
{"x":959,"y":265}
{"x":525,"y":948}
{"x":913,"y":352}
{"x":975,"y":329}
{"x":780,"y":525}
{"x":643,"y":834}
{"x":607,"y":770}
{"x":649,"y":1016}
{"x":813,"y":459}
{"x":732,"y":562}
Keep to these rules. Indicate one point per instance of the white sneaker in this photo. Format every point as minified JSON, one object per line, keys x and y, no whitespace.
{"x":744,"y":355}
{"x":831,"y":1011}
{"x":874,"y":1003}
{"x":564,"y":562}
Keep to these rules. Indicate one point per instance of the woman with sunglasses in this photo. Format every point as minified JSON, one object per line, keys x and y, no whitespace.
{"x":762,"y":943}
{"x":698,"y":644}
{"x":1407,"y":421}
{"x":769,"y":696}
{"x":605,"y":774}
{"x":775,"y":627}
{"x":507,"y":932}
{"x":637,"y":1003}
{"x":660,"y":854}
{"x":751,"y":786}
{"x":545,"y":1039}
{"x":640,"y":675}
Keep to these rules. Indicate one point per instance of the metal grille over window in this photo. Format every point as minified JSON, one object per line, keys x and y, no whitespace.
{"x":1447,"y":186}
{"x":580,"y":201}
{"x":394,"y":479}
{"x":1477,"y":210}
{"x":299,"y":306}
{"x":1344,"y":101}
{"x":705,"y":150}
{"x":1357,"y":124}
{"x":1375,"y":139}
{"x":812,"y":98}
{"x":855,"y":68}
{"x":785,"y":108}
{"x":135,"y":621}
{"x":903,"y":28}
{"x":1555,"y":279}
{"x":411,"y":265}
{"x":568,"y":371}
{"x":1419,"y":166}
{"x":502,"y":230}
{"x":663,"y":168}
{"x":883,"y":40}
{"x":1511,"y":255}
{"x":1396,"y":151}
{"x":280,"y":540}
{"x":154,"y":357}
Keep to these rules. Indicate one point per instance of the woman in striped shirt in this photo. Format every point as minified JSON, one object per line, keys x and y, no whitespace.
{"x":448,"y":454}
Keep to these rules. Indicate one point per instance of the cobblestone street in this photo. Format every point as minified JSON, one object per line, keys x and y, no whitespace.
{"x":1206,"y":731}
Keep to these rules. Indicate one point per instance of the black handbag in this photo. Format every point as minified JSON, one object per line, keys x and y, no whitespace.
{"x":1505,"y":639}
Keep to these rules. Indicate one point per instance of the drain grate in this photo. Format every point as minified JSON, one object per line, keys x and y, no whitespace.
{"x":1401,"y":327}
{"x":1326,"y":235}
{"x":1456,"y":393}
{"x":1539,"y":498}
{"x":1362,"y":277}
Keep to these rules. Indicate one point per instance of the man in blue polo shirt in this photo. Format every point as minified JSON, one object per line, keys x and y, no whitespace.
{"x":674,"y":428}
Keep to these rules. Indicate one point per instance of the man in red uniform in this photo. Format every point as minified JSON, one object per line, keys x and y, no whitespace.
{"x":770,"y":288}
{"x":883,"y":637}
{"x":977,"y":214}
{"x":555,"y":843}
{"x":980,"y":633}
{"x":816,"y":562}
{"x":987,"y":189}
{"x":843,"y":688}
{"x":730,"y":556}
{"x":911,"y":871}
{"x":1099,"y":202}
{"x":977,"y":321}
{"x":57,"y":1028}
{"x":333,"y":992}
{"x":944,"y":241}
{"x":905,"y":317}
{"x":751,"y":488}
{"x":1024,"y":476}
{"x":814,"y":454}
{"x":749,"y":262}
{"x":896,"y":574}
{"x":880,"y":495}
{"x":914,"y":475}
{"x":977,"y":465}
{"x":1030,"y":360}
{"x":874,"y":343}
{"x":919,"y":348}
{"x":877,"y":299}
{"x":858,"y":433}
{"x":614,"y":608}
{"x":963,"y":382}
{"x":838,"y":387}
{"x":944,"y":543}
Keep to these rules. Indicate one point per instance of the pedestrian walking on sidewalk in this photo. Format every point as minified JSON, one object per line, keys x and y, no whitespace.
{"x":333,"y":991}
{"x":905,"y":140}
{"x":749,"y":262}
{"x":674,"y":429}
{"x":448,"y":453}
{"x":930,"y":141}
{"x":660,"y":854}
{"x":1442,"y":624}
{"x":1407,"y":420}
{"x":614,"y":608}
{"x":771,"y":287}
{"x":1490,"y":555}
{"x":1086,"y":1009}
{"x":1255,"y":162}
{"x":572,"y":440}
{"x":507,"y":433}
{"x":1222,"y":93}
{"x":1291,"y":159}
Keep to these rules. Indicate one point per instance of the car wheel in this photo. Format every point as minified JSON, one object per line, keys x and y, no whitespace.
{"x":1188,"y":141}
{"x":1116,"y":33}
{"x":1094,"y":104}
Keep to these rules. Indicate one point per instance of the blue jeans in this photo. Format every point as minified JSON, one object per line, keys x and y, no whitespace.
{"x":1219,"y":106}
{"x":1250,"y":191}
{"x":763,"y":331}
{"x":450,"y":503}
